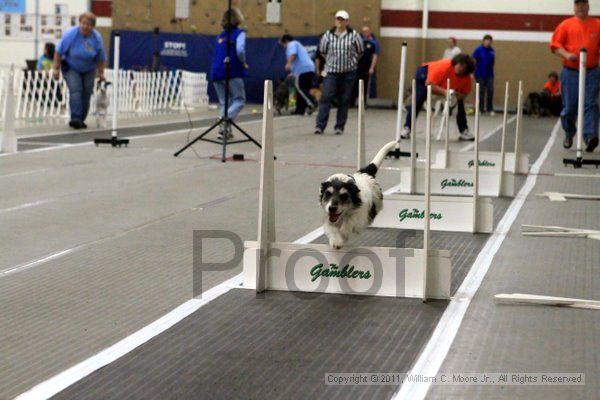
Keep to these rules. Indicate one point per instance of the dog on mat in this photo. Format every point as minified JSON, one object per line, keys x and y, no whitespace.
{"x":351,"y":202}
{"x":102,"y":102}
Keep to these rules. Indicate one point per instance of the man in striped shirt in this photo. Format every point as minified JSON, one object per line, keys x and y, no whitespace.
{"x":342,"y":47}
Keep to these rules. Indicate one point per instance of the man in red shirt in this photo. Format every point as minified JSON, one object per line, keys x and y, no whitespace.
{"x":571,"y":35}
{"x":436,"y":74}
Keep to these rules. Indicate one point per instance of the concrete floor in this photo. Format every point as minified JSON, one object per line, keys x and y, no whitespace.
{"x":96,"y":243}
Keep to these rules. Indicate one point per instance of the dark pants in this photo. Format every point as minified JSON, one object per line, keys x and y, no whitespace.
{"x":363,"y":74}
{"x":303,"y":84}
{"x":569,"y":80}
{"x":336,"y":86}
{"x":421,"y":78}
{"x":486,"y":87}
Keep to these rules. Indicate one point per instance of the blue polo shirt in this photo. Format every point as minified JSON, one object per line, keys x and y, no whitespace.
{"x":81,"y":52}
{"x":485,"y":57}
{"x":302,"y":64}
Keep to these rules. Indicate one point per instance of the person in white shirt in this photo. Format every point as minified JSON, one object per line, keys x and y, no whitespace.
{"x":452,"y":50}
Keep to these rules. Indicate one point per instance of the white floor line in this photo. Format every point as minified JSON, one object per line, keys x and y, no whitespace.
{"x":63,"y":380}
{"x":433,"y":355}
{"x":488,"y":135}
{"x":26,"y":205}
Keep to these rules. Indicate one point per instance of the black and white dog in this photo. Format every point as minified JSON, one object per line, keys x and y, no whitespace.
{"x":102,"y":103}
{"x":351,"y":202}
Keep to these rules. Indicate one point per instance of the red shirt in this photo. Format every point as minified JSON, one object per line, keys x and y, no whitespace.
{"x":574,"y":34}
{"x":553,"y":88}
{"x":438,"y":72}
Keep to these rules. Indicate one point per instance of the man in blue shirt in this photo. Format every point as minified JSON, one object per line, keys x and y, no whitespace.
{"x":367,"y":64}
{"x":79,"y":54}
{"x":484,"y":73}
{"x":302,"y":68}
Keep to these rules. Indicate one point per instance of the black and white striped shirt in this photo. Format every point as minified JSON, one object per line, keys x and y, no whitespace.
{"x":341,"y":51}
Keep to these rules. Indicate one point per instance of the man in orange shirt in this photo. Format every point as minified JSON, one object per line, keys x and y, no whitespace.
{"x":436,"y":74}
{"x":571,"y":35}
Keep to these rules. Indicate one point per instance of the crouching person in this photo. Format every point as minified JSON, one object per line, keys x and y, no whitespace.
{"x":436,"y":74}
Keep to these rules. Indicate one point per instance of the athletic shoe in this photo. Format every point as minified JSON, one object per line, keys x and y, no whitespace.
{"x":83,"y":125}
{"x":466,"y":136}
{"x":318,"y":131}
{"x":406,"y":133}
{"x":591,"y":143}
{"x":492,"y":114}
{"x":75,"y":124}
{"x":339,"y":131}
{"x":568,"y":142}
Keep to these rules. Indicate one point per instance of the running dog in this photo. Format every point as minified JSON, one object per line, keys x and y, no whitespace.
{"x":351,"y":202}
{"x":102,"y":103}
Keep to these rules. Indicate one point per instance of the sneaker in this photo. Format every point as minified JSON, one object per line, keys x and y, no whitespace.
{"x":568,"y":142}
{"x":492,"y":114}
{"x":466,"y":136}
{"x":591,"y":143}
{"x":75,"y":124}
{"x":406,"y":133}
{"x":339,"y":132}
{"x":83,"y":125}
{"x":318,"y":131}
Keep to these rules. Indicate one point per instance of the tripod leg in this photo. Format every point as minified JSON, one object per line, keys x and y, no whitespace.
{"x":246,"y":134}
{"x":198,"y":138}
{"x":226,"y":131}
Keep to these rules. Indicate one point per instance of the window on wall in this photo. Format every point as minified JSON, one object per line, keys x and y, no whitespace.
{"x":274,"y":12}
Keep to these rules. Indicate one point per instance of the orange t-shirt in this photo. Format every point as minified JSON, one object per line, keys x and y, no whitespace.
{"x":574,"y":34}
{"x":553,"y":88}
{"x":439,"y":72}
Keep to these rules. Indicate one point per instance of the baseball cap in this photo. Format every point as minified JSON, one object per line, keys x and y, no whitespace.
{"x":342,"y":14}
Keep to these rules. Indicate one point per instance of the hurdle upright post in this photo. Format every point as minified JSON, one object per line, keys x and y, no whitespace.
{"x":266,"y":201}
{"x":8,"y":140}
{"x":401,"y":84}
{"x":447,"y":126}
{"x":519,"y":127}
{"x":476,"y":161}
{"x":413,"y":141}
{"x":503,"y":140}
{"x":426,"y":228}
{"x":361,"y":125}
{"x":581,"y":102}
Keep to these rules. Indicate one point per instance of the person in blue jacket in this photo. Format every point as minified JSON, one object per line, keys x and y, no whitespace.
{"x":484,"y":74}
{"x":80,"y":57}
{"x":238,"y":69}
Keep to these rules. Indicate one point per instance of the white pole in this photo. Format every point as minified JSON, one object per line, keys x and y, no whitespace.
{"x":266,"y":203}
{"x":503,"y":145}
{"x":361,"y":125}
{"x":581,"y":101}
{"x":518,"y":128}
{"x":447,"y":126}
{"x":115,"y":97}
{"x":8,"y":142}
{"x":413,"y":141}
{"x":401,"y":94}
{"x":476,"y":160}
{"x":426,"y":232}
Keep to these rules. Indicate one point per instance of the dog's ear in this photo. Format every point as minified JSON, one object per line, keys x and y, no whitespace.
{"x":324,"y":186}
{"x":354,"y":191}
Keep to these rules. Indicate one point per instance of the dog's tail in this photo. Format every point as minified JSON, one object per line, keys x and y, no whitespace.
{"x":372,"y":168}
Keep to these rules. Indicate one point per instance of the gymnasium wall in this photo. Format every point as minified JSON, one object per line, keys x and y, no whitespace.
{"x":521,"y":30}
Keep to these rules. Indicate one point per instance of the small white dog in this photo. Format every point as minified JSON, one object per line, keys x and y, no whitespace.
{"x":102,"y":103}
{"x":351,"y":202}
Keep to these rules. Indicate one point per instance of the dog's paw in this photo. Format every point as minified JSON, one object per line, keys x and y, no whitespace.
{"x":336,"y":243}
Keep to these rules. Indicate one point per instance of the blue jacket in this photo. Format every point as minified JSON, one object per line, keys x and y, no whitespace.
{"x":485,"y":57}
{"x":236,"y":56}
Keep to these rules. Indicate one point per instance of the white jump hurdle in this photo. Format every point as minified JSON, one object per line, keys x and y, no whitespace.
{"x":379,"y":271}
{"x":488,"y":160}
{"x":406,"y":210}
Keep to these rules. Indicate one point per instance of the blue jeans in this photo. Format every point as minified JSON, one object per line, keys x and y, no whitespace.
{"x":486,"y":86}
{"x":421,"y":79}
{"x":81,"y":86}
{"x":336,"y":86}
{"x":570,"y":94}
{"x":237,"y":97}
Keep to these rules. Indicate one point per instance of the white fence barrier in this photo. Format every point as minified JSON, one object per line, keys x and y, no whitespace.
{"x":38,"y":96}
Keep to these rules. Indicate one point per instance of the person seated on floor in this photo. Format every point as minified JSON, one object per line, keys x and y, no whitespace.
{"x":549,"y":100}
